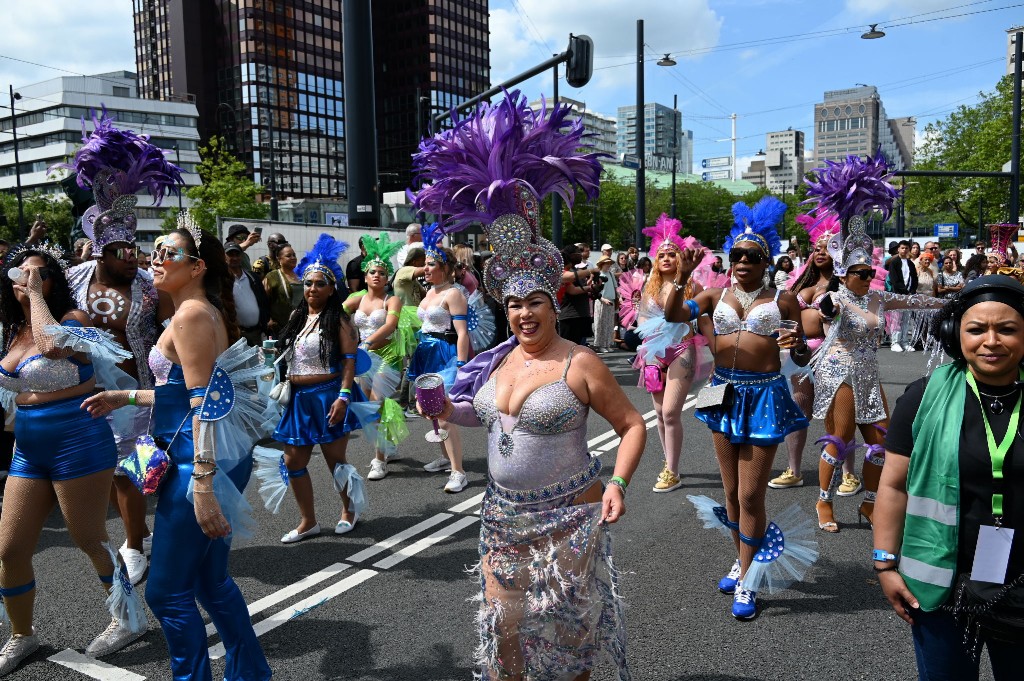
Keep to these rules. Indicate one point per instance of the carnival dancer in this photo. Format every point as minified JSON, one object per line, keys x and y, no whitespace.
{"x":667,"y":359}
{"x":320,"y":343}
{"x":847,"y":390}
{"x":119,"y":296}
{"x":444,"y":342}
{"x":387,"y":329}
{"x":51,"y":355}
{"x":206,"y":415}
{"x":748,"y":406}
{"x":549,"y":601}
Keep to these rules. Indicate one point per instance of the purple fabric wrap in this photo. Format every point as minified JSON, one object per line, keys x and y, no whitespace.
{"x":474,"y":374}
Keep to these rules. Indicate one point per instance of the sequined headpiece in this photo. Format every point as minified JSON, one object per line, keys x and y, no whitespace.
{"x":115,"y":164}
{"x":50,"y":249}
{"x":323,"y":258}
{"x":849,"y":190}
{"x":494,"y":168}
{"x":757,"y":225}
{"x":664,"y":235}
{"x":432,"y":237}
{"x":186,"y":223}
{"x":379,"y":252}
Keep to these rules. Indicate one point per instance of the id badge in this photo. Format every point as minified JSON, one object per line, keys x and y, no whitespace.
{"x":992,"y":555}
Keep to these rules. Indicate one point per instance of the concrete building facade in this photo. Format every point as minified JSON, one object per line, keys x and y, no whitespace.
{"x":658,"y":125}
{"x":49,"y":123}
{"x":854,"y":121}
{"x":601,"y":126}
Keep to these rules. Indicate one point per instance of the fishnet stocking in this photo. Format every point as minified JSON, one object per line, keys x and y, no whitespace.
{"x":669,"y":406}
{"x":803,"y":395}
{"x":27,"y":503}
{"x":745,"y":473}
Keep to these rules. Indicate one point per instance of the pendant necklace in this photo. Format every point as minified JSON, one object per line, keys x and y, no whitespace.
{"x":746,"y":299}
{"x":996,"y":406}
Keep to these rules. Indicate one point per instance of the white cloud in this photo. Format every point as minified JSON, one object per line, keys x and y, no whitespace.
{"x":521,"y":39}
{"x":68,"y":34}
{"x":887,"y":9}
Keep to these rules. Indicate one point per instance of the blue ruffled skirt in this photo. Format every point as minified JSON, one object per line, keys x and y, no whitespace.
{"x":762,"y":411}
{"x":431,"y":356}
{"x":305,"y":418}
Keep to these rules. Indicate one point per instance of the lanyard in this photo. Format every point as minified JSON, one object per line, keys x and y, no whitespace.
{"x":997,"y":452}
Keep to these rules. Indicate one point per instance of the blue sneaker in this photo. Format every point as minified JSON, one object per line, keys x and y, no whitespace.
{"x":744,"y":603}
{"x":727,"y":584}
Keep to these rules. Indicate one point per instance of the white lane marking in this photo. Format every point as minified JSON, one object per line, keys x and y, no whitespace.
{"x":394,"y":540}
{"x":467,"y":504}
{"x":611,"y":433}
{"x":287,"y":592}
{"x":306,"y":604}
{"x":94,"y":669}
{"x":608,"y":446}
{"x":414,"y":548}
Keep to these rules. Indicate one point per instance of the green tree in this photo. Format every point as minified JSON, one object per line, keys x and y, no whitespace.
{"x":976,"y":138}
{"x":226,"y":190}
{"x":55,"y":210}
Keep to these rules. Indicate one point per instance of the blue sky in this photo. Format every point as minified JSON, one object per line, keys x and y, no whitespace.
{"x":767,"y":60}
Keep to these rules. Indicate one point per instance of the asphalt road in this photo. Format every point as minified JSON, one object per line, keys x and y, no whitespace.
{"x":374,"y":606}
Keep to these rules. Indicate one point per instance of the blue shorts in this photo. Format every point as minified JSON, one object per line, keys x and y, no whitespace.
{"x":304,"y":421}
{"x":60,"y":441}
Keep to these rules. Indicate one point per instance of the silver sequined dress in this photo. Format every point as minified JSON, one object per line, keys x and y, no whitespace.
{"x":849,"y":353}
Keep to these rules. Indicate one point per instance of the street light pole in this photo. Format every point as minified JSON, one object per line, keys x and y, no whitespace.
{"x":556,"y":200}
{"x":641,"y":197}
{"x":17,"y":165}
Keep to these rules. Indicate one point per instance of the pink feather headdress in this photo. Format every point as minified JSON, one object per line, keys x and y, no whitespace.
{"x":664,"y":234}
{"x":819,"y":228}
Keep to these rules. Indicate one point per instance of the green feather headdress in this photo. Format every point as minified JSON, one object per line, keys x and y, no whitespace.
{"x":379,"y":251}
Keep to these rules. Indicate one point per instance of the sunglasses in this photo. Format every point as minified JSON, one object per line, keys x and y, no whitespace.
{"x":754,"y":256}
{"x":863,"y":275}
{"x":122,"y":253}
{"x":167,"y":253}
{"x":318,"y":283}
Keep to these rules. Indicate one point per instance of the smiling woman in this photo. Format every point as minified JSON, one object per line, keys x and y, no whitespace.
{"x":951,"y":491}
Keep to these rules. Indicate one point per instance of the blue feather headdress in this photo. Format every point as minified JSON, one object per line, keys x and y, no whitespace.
{"x":757,"y":225}
{"x":432,"y":237}
{"x":494,"y":167}
{"x":323,"y":258}
{"x":115,"y":164}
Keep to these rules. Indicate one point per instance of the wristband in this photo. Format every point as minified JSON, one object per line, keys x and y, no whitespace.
{"x":344,"y":397}
{"x":888,"y":568}
{"x":883,"y":556}
{"x":620,"y":481}
{"x":131,"y":398}
{"x":694,"y":308}
{"x":460,"y":363}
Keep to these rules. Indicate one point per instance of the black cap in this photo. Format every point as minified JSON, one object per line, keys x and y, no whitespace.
{"x":232,"y":247}
{"x":237,"y":229}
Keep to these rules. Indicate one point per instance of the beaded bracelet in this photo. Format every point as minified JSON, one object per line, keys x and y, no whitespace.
{"x":200,"y":476}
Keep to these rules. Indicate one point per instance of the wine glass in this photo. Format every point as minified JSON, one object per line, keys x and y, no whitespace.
{"x":430,"y":395}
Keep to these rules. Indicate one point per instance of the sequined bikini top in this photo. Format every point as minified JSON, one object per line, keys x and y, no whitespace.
{"x":551,"y":408}
{"x":434,"y":319}
{"x":39,"y":374}
{"x":160,"y":366}
{"x":305,"y":359}
{"x":763,"y":320}
{"x":369,"y":323}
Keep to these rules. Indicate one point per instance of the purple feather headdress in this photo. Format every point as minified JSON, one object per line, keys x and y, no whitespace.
{"x":853,"y":187}
{"x":115,"y":164}
{"x":323,"y":258}
{"x":473,"y":172}
{"x":494,"y":167}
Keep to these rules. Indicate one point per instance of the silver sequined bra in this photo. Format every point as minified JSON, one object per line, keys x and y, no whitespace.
{"x":160,"y":366}
{"x":306,"y":359}
{"x":434,"y":319}
{"x":764,"y":320}
{"x":39,"y":374}
{"x":545,"y":448}
{"x":369,"y":323}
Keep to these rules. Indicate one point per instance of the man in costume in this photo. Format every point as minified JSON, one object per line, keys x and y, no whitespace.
{"x":120,"y":298}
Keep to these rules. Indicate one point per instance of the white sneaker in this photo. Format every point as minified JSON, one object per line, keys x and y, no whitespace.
{"x":147,"y":545}
{"x":896,"y":347}
{"x":135,"y":562}
{"x":456,"y":482}
{"x":114,"y":638}
{"x":909,"y":348}
{"x":15,"y":651}
{"x":378,"y":470}
{"x":438,"y":465}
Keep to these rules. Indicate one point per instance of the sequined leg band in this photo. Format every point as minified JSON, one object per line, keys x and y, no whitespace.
{"x":750,"y":541}
{"x":875,"y":454}
{"x":869,"y":497}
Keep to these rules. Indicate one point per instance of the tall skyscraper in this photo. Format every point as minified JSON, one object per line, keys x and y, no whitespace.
{"x":853,"y":121}
{"x":267,"y":76}
{"x":659,"y":121}
{"x":784,"y":164}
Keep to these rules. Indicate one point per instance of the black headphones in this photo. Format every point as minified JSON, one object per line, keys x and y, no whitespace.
{"x":997,"y":287}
